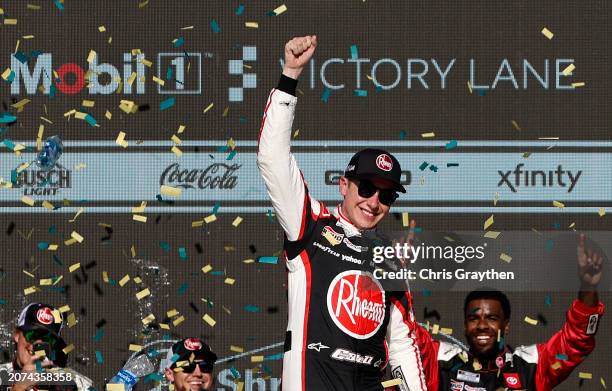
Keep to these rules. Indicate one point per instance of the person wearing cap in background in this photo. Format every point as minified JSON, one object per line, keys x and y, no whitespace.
{"x":190,"y":365}
{"x":343,"y":328}
{"x":39,"y":347}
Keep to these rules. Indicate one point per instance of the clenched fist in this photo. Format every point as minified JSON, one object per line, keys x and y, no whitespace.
{"x":298,"y":52}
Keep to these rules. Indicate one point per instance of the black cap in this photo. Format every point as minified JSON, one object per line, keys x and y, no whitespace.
{"x":185,"y":348}
{"x":42,"y":317}
{"x":373,"y":163}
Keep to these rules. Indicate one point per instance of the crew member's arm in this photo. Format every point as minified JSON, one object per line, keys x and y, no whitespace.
{"x":576,"y":339}
{"x":278,"y":166}
{"x":404,"y":354}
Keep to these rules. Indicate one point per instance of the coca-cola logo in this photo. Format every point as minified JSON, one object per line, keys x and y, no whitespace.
{"x":193,"y":344}
{"x":384,"y":162}
{"x":356,"y":303}
{"x":45,"y":315}
{"x":215,"y":176}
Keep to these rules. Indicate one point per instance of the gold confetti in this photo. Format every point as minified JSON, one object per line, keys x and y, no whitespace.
{"x":71,"y":320}
{"x":225,"y":111}
{"x":148,"y":319}
{"x":516,"y":125}
{"x":428,"y":135}
{"x":489,"y":222}
{"x":601,"y":212}
{"x":164,"y":326}
{"x":30,"y":7}
{"x":68,"y":349}
{"x":585,"y":375}
{"x":568,"y":70}
{"x":391,"y":383}
{"x":558,"y":204}
{"x":210,"y":106}
{"x":491,"y":234}
{"x":45,"y":282}
{"x":159,"y":81}
{"x":124,"y":280}
{"x":578,"y":84}
{"x":181,"y":129}
{"x":28,"y":200}
{"x":175,"y":139}
{"x":229,"y":281}
{"x":177,"y":151}
{"x":206,"y":269}
{"x":556,"y":365}
{"x":88,"y":103}
{"x":30,"y":290}
{"x":435,"y":329}
{"x":75,"y":235}
{"x":533,"y":322}
{"x":139,"y":218}
{"x":197,"y":223}
{"x":10,"y":22}
{"x":476,"y":364}
{"x":137,"y":280}
{"x":210,"y":219}
{"x":143,"y":293}
{"x":257,"y":358}
{"x":91,"y":56}
{"x":280,"y":9}
{"x":101,"y":29}
{"x":237,"y":221}
{"x":171,"y":313}
{"x":208,"y":319}
{"x":27,"y":273}
{"x":237,"y":349}
{"x":187,"y":28}
{"x":105,"y":277}
{"x":6,"y":73}
{"x":108,"y":115}
{"x":446,"y":330}
{"x":135,"y":348}
{"x":178,"y":321}
{"x":47,"y":205}
{"x":547,"y":33}
{"x":252,"y":25}
{"x":505,"y":257}
{"x":74,"y":267}
{"x":170,"y":191}
{"x":121,"y":140}
{"x":469,"y":86}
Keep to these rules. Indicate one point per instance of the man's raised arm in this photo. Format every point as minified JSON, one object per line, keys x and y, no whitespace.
{"x":276,"y":163}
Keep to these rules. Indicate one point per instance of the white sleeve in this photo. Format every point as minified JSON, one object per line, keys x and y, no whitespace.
{"x":277,"y":165}
{"x":404,"y":355}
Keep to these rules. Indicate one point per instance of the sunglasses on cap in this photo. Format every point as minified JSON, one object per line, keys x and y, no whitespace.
{"x":367,"y":189}
{"x":205,"y":367}
{"x":35,"y":335}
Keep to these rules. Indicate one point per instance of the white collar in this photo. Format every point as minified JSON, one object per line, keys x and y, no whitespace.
{"x":344,"y":222}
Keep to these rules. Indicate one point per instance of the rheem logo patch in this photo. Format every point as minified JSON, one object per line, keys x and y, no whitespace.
{"x":356,"y":303}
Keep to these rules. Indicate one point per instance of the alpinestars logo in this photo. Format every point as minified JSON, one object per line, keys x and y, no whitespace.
{"x":356,"y":303}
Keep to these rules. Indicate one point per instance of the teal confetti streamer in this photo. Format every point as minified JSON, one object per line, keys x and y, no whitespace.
{"x":43,"y":245}
{"x":423,"y":166}
{"x":560,"y":356}
{"x":452,"y":164}
{"x":223,"y":148}
{"x":90,"y":120}
{"x":10,"y":77}
{"x":231,"y":155}
{"x":326,"y":94}
{"x":426,"y":292}
{"x":269,"y":260}
{"x":433,"y":168}
{"x":354,"y":53}
{"x":240,"y":10}
{"x":216,"y":208}
{"x":252,"y":308}
{"x":52,"y":230}
{"x":402,"y":135}
{"x":99,"y":334}
{"x":99,"y":357}
{"x":2,"y":302}
{"x":183,"y":288}
{"x":179,"y":42}
{"x":182,"y":253}
{"x":7,"y":118}
{"x":235,"y":372}
{"x":214,"y":25}
{"x":22,"y":58}
{"x":361,"y":93}
{"x":169,"y":73}
{"x":217,"y":273}
{"x":164,"y":245}
{"x":548,"y":301}
{"x":451,"y":145}
{"x":153,"y":377}
{"x":270,"y":215}
{"x":59,"y":5}
{"x":166,"y":104}
{"x":273,"y":357}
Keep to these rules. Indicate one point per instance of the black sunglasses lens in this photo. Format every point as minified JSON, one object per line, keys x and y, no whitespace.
{"x":366,"y":189}
{"x":204,"y":367}
{"x":387,"y":197}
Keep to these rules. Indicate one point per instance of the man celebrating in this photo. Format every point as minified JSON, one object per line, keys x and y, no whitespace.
{"x":190,"y":365}
{"x":343,"y":327}
{"x":39,"y":348}
{"x":490,"y":365}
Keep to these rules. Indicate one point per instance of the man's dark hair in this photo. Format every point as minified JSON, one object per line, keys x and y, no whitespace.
{"x":488,"y":294}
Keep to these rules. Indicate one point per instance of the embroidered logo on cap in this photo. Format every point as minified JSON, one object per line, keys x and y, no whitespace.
{"x":45,"y":315}
{"x":193,"y":344}
{"x":384,"y":162}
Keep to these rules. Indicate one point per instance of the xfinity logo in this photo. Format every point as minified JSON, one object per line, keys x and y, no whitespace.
{"x":519,"y":177}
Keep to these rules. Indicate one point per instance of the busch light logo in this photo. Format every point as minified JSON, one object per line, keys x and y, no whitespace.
{"x":356,"y":303}
{"x":215,"y":176}
{"x":44,"y":182}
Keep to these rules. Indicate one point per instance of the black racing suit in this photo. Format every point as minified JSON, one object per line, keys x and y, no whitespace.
{"x":344,"y":327}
